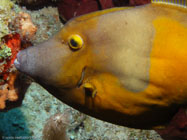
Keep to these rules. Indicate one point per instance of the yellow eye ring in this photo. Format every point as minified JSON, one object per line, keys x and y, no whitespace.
{"x":75,"y":42}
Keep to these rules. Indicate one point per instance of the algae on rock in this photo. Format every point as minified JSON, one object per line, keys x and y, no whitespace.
{"x":5,"y":16}
{"x":5,"y":51}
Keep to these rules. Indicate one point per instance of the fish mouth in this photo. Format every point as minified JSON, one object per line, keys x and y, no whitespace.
{"x":82,"y":77}
{"x":17,"y":62}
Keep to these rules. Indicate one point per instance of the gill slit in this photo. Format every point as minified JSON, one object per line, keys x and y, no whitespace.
{"x":82,"y":77}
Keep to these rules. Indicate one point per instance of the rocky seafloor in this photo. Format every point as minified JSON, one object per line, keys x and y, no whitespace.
{"x":27,"y":121}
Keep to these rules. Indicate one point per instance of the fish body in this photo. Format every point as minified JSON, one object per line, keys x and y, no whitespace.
{"x":124,"y":66}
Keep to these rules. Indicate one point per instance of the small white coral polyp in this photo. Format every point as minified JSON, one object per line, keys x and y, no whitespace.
{"x":55,"y":128}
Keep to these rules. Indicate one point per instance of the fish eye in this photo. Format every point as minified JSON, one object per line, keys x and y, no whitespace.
{"x":75,"y":42}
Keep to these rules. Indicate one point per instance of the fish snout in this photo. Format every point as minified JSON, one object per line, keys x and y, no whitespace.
{"x":25,"y":61}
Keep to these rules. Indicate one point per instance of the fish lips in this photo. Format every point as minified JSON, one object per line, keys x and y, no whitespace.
{"x":19,"y":60}
{"x":22,"y":63}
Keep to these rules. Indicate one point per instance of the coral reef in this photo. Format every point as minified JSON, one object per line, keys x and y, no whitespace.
{"x":5,"y":16}
{"x":23,"y":24}
{"x":35,"y":4}
{"x":72,"y":8}
{"x":29,"y":119}
{"x":5,"y":51}
{"x":177,"y":128}
{"x":79,"y":127}
{"x":11,"y":86}
{"x":10,"y":44}
{"x":8,"y":92}
{"x":8,"y":72}
{"x":47,"y":22}
{"x":13,"y":41}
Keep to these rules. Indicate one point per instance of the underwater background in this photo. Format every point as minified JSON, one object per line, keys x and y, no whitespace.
{"x":29,"y":120}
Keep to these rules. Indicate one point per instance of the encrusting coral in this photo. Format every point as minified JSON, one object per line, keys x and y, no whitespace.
{"x":8,"y":73}
{"x":7,"y":54}
{"x":15,"y":29}
{"x":23,"y":24}
{"x":8,"y":91}
{"x":5,"y":16}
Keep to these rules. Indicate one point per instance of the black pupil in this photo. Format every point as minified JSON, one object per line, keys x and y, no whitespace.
{"x":73,"y":43}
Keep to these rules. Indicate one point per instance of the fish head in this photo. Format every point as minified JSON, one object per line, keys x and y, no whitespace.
{"x":59,"y":61}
